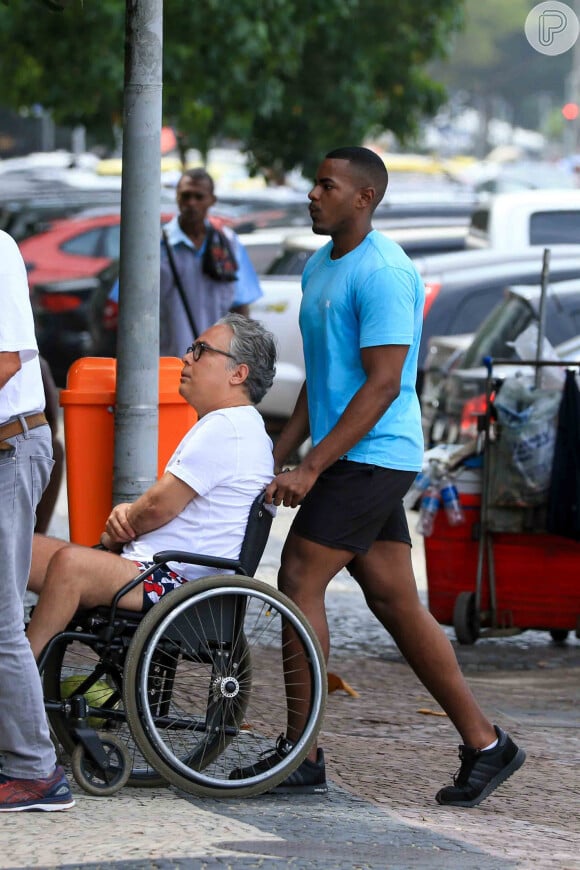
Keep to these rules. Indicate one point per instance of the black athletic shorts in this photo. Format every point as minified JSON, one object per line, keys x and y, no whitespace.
{"x":352,"y":505}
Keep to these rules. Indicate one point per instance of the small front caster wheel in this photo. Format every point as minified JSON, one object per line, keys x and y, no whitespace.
{"x":92,"y":778}
{"x":465,"y":618}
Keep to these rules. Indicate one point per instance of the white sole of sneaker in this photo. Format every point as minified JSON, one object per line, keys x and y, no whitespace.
{"x":41,"y":808}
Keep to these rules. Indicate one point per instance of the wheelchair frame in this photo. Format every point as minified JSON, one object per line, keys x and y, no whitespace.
{"x":192,"y":691}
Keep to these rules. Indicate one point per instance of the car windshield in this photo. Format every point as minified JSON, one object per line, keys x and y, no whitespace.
{"x":503,"y":325}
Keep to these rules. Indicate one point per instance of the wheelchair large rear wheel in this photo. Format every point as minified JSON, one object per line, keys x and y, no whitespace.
{"x":75,"y":667}
{"x":224,"y":638}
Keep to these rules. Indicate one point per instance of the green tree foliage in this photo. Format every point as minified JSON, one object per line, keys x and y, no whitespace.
{"x":287,"y":78}
{"x":362,"y":68}
{"x":70,"y":61}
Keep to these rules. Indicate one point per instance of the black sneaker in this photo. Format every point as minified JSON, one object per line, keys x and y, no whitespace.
{"x":308,"y":778}
{"x":481,"y":772}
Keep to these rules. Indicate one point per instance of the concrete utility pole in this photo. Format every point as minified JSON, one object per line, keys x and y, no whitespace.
{"x":136,"y":419}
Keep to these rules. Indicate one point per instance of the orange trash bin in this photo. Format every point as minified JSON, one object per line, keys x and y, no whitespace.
{"x":89,"y":430}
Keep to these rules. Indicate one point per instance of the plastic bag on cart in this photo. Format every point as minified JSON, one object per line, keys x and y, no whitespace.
{"x":525,"y":448}
{"x":526,"y":347}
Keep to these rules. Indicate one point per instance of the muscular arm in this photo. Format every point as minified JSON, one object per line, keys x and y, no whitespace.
{"x":161,"y":503}
{"x":383,"y":366}
{"x":9,"y":365}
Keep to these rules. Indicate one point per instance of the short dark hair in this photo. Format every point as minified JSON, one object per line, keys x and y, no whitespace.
{"x":253,"y":345}
{"x":369,"y":166}
{"x":199,"y":174}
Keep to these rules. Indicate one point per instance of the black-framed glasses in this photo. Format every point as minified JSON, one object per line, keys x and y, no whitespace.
{"x":199,"y":347}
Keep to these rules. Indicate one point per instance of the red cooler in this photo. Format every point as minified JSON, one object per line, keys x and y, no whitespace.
{"x":537,"y":576}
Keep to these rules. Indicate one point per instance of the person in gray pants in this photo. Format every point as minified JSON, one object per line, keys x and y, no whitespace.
{"x":30,"y":778}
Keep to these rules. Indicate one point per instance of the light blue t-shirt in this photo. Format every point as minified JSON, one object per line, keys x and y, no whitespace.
{"x":371,"y":296}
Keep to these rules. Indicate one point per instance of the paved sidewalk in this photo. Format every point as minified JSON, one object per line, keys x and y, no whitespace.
{"x":387,"y":752}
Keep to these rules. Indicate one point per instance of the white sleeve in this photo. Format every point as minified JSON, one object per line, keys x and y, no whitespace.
{"x":207,"y":456}
{"x":16,"y":323}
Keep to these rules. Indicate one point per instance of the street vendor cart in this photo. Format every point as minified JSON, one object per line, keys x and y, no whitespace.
{"x":501,"y":572}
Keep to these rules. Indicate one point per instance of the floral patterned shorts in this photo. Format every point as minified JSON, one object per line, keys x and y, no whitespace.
{"x":155,"y":586}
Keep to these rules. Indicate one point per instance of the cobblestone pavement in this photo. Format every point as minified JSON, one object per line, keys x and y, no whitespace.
{"x":387,"y":754}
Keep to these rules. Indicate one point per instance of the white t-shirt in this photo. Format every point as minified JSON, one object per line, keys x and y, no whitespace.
{"x":23,"y":393}
{"x":227,"y":459}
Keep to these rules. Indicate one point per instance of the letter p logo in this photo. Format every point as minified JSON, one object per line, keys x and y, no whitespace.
{"x":552,"y":27}
{"x":551,"y":22}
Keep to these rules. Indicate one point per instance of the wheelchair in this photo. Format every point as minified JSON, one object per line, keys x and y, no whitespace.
{"x":194,"y":692}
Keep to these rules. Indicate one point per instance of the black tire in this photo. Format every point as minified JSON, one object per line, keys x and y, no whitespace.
{"x":465,"y":618}
{"x":559,"y":635}
{"x":76,"y":664}
{"x":91,"y":778}
{"x":221,"y":716}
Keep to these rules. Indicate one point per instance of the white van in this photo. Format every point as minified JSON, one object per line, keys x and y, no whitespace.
{"x":529,"y":217}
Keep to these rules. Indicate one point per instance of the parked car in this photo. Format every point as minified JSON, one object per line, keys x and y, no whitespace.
{"x":416,"y":239}
{"x":73,"y":261}
{"x":82,"y":245}
{"x":461,"y":398}
{"x":461,"y":289}
{"x":529,"y":217}
{"x":444,"y":352}
{"x":76,"y":247}
{"x":61,"y":321}
{"x":262,"y":246}
{"x":278,"y":311}
{"x":25,"y":217}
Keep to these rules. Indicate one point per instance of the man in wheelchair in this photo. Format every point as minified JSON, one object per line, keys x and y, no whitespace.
{"x":201,"y":501}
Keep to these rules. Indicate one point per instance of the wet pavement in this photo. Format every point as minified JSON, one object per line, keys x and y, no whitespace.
{"x":388,"y":751}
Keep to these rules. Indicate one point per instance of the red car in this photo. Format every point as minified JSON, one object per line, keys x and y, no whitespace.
{"x":83,"y":245}
{"x":76,"y":247}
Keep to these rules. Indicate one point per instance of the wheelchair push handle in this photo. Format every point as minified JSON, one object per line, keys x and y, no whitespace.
{"x":197,"y":559}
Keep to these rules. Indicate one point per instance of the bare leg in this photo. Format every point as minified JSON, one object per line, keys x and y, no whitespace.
{"x":43,"y":549}
{"x":76,"y":577}
{"x":306,"y":570}
{"x":385,"y":575}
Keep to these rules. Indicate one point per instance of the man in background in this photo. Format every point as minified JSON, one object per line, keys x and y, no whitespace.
{"x":192,"y":299}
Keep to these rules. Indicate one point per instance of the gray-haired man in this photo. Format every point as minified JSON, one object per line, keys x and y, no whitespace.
{"x":217,"y":470}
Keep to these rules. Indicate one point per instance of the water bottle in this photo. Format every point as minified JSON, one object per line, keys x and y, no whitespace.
{"x":451,"y":503}
{"x":427,"y":511}
{"x":417,"y":489}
